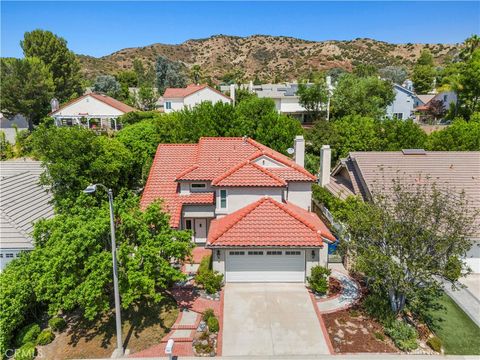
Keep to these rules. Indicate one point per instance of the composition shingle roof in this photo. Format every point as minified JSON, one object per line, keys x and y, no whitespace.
{"x":220,"y":160}
{"x":23,"y":202}
{"x":267,"y":222}
{"x":189,"y":90}
{"x":100,"y":97}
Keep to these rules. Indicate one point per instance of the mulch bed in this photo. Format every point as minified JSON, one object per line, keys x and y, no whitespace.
{"x":351,"y":331}
{"x":334,"y":287}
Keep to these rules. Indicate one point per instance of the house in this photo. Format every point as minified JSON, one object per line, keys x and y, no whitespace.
{"x":24,"y":201}
{"x":403,"y":104}
{"x":175,"y":99}
{"x":246,"y":202}
{"x":362,"y":173}
{"x":445,"y":98}
{"x":91,"y":110}
{"x":10,"y":127}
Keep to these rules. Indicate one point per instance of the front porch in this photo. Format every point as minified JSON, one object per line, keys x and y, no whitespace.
{"x":89,"y":122}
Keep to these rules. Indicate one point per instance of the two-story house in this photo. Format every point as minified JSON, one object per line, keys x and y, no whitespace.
{"x":246,"y":202}
{"x":175,"y":99}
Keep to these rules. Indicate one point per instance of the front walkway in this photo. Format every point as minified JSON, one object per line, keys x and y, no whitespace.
{"x":349,"y":294}
{"x":271,"y":319}
{"x":467,"y":298}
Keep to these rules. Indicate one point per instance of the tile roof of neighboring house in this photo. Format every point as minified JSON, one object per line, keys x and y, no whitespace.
{"x":340,"y":187}
{"x":189,"y":90}
{"x":374,"y":171}
{"x":267,"y":222}
{"x":425,"y":98}
{"x":100,"y":97}
{"x":220,"y":159}
{"x":24,"y":201}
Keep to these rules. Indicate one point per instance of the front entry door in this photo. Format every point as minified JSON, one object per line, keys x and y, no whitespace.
{"x":200,"y":230}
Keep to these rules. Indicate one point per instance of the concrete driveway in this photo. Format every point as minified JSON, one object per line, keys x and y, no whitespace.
{"x":270,"y":319}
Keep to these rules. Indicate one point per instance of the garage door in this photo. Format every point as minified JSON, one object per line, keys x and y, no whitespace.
{"x":265,"y":265}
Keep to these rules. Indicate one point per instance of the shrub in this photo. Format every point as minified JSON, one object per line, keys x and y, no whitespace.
{"x":378,"y":307}
{"x":45,"y":337}
{"x":210,"y":280}
{"x":57,"y":323}
{"x":435,"y":344}
{"x":27,"y":334}
{"x":403,"y":335}
{"x":204,"y":264}
{"x":26,"y":352}
{"x":208,"y":314}
{"x":213,"y":324}
{"x":379,"y":336}
{"x":318,"y":280}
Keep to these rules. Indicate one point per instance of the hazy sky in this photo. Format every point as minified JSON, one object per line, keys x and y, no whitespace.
{"x":100,"y":28}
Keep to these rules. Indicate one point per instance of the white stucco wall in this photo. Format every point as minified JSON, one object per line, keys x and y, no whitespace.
{"x":195,"y":99}
{"x":175,"y":105}
{"x":88,"y":106}
{"x":239,"y":197}
{"x":291,"y":105}
{"x":300,"y":194}
{"x":267,"y":162}
{"x":472,"y":258}
{"x":403,"y":104}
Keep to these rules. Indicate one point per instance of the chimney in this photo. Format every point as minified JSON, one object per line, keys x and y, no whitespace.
{"x":325,"y":160}
{"x":232,"y":93}
{"x":55,"y":105}
{"x":299,"y":148}
{"x":250,"y":86}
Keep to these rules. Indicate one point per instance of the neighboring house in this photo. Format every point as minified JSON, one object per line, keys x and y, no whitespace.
{"x":246,"y":202}
{"x":403,"y":104}
{"x":10,"y":126}
{"x":362,"y":173}
{"x":175,"y":99}
{"x":447,"y":98}
{"x":23,"y":202}
{"x":91,"y":110}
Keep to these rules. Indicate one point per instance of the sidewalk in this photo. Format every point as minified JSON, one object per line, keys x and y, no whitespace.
{"x":467,"y":298}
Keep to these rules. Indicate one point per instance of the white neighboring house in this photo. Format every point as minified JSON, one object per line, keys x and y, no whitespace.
{"x":246,"y":204}
{"x":23,"y":202}
{"x":447,"y":98}
{"x":404,"y":103}
{"x":175,"y":99}
{"x":10,"y":126}
{"x":91,"y":110}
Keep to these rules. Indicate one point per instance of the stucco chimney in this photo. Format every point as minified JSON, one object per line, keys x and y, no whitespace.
{"x":325,"y":160}
{"x":55,"y":105}
{"x":299,"y":148}
{"x":232,"y":93}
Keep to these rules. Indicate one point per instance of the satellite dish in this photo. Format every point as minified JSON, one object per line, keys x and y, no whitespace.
{"x":290,"y":151}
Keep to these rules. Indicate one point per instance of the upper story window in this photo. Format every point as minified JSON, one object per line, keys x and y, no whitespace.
{"x":197,"y":187}
{"x":223,"y":199}
{"x":168,"y":105}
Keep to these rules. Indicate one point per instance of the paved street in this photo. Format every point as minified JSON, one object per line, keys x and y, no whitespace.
{"x":270,"y":319}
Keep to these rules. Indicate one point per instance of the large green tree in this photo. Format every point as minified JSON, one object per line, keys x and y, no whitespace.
{"x":63,"y":64}
{"x":169,"y":74}
{"x":27,"y":88}
{"x":364,"y":96}
{"x":107,"y":84}
{"x":460,"y":136}
{"x":406,"y":237}
{"x":423,"y":75}
{"x":313,"y":97}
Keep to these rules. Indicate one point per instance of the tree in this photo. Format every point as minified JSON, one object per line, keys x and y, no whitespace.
{"x":62,"y":62}
{"x":469,"y":46}
{"x":365,"y":70}
{"x":169,"y":74}
{"x":234,"y":76}
{"x":361,"y":96}
{"x":196,"y":74}
{"x":127,"y":78}
{"x":460,"y":136}
{"x":27,"y":88}
{"x":147,"y":98}
{"x":406,"y":236}
{"x":436,"y":109}
{"x":313,"y":97}
{"x":107,"y":84}
{"x":396,"y":74}
{"x":424,"y":73}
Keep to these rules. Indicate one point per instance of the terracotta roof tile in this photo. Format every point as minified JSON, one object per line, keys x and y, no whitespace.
{"x":248,"y":174}
{"x":189,"y":90}
{"x":267,"y":222}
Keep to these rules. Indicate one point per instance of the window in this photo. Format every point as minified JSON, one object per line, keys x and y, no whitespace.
{"x":255,"y":253}
{"x":197,"y":186}
{"x":274,"y":252}
{"x":188,"y":224}
{"x":168,"y":105}
{"x":9,"y":256}
{"x":399,"y":116}
{"x":236,"y":253}
{"x":223,"y":199}
{"x":292,"y":252}
{"x":1,"y":256}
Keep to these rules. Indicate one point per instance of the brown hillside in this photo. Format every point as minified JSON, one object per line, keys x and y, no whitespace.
{"x":267,"y":56}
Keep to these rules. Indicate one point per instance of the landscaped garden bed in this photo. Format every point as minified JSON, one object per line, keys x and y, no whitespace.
{"x":205,"y":341}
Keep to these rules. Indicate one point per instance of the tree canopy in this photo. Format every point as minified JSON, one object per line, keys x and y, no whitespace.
{"x":107,"y":84}
{"x":169,"y":74}
{"x":313,"y":97}
{"x":423,"y":75}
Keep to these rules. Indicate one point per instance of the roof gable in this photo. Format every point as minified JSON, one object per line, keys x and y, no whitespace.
{"x":179,"y":93}
{"x":82,"y":106}
{"x":248,"y":174}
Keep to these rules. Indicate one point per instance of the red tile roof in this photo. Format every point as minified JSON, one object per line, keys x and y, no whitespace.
{"x":267,"y":222}
{"x":224,"y":161}
{"x":189,"y":90}
{"x":100,"y":97}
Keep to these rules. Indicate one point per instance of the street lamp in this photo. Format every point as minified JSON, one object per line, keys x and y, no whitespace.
{"x":90,"y":190}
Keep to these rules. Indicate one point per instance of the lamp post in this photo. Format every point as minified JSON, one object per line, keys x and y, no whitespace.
{"x":90,"y":190}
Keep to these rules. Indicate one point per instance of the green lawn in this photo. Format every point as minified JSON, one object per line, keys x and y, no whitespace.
{"x":459,"y":334}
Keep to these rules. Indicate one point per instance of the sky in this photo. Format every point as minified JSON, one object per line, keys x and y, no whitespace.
{"x":100,"y":28}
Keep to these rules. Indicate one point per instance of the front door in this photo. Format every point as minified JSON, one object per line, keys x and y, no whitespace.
{"x":200,"y":230}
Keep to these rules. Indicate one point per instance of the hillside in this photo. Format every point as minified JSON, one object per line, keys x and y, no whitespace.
{"x":267,"y":56}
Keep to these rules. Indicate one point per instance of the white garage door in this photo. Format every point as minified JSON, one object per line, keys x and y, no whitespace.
{"x":273,"y":265}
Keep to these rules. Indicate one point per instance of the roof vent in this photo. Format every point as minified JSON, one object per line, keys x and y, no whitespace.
{"x":414,"y":152}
